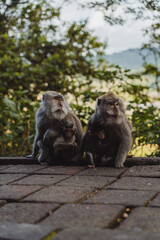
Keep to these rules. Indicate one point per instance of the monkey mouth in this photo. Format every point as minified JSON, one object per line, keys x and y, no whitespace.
{"x":112,"y":115}
{"x":59,"y":111}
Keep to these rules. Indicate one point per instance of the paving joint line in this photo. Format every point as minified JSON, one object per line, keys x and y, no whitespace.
{"x":49,"y":185}
{"x":151,"y":199}
{"x":52,"y":234}
{"x":20,"y":199}
{"x":50,"y":212}
{"x":15,"y":180}
{"x":92,"y":193}
{"x":117,"y":221}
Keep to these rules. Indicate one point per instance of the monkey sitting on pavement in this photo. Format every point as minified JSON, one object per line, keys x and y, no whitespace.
{"x":92,"y":141}
{"x":110,"y":113}
{"x":63,"y":140}
{"x":52,"y":111}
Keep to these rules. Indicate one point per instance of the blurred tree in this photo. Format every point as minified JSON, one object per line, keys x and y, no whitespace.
{"x":35,"y":56}
{"x":144,"y":95}
{"x":39,"y":52}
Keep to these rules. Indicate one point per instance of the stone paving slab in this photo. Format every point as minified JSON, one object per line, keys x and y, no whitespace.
{"x":16,"y":192}
{"x":22,"y":168}
{"x":143,"y":171}
{"x":25,"y":212}
{"x":4,"y":167}
{"x":137,"y":183}
{"x":82,"y":181}
{"x":59,"y":194}
{"x":67,"y":170}
{"x":102,"y":171}
{"x":23,"y":231}
{"x":143,"y":219}
{"x":8,"y":178}
{"x":40,"y":180}
{"x":155,"y":202}
{"x":67,"y":197}
{"x":83,"y":215}
{"x":123,"y":197}
{"x":103,"y":234}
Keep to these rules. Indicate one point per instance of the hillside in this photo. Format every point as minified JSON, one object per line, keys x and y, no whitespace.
{"x":130,"y":58}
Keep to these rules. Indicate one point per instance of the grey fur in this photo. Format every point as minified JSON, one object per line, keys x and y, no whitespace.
{"x":117,"y":128}
{"x":50,"y":116}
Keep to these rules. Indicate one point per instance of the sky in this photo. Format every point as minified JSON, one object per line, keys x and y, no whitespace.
{"x":119,"y":38}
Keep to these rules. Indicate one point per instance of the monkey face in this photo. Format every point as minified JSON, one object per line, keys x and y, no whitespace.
{"x":68,"y":129}
{"x":100,"y":134}
{"x":111,"y":107}
{"x":69,"y":132}
{"x":56,"y":104}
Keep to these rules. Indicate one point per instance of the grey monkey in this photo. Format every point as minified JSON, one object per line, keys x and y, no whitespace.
{"x":52,"y":111}
{"x":110,"y":114}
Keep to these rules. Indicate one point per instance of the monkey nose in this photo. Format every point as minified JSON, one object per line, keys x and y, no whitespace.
{"x":60,"y":104}
{"x":116,"y":114}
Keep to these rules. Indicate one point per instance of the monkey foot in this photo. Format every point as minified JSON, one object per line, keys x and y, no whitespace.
{"x":91,"y":166}
{"x":30,"y":156}
{"x":119,"y":165}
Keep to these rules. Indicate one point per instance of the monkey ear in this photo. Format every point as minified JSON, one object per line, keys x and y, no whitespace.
{"x":119,"y":100}
{"x":98,"y":101}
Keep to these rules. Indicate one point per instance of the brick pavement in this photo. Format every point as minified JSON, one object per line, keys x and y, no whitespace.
{"x":75,"y":202}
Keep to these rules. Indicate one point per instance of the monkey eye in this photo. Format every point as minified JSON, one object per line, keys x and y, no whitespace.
{"x":58,"y":98}
{"x":98,"y":101}
{"x":43,"y":97}
{"x":111,"y":105}
{"x":117,"y":104}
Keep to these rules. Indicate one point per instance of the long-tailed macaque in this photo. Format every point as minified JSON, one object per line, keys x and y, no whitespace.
{"x":110,"y":114}
{"x":52,"y":111}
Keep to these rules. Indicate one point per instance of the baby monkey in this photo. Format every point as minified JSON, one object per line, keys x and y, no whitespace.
{"x":62,"y":140}
{"x":93,"y":140}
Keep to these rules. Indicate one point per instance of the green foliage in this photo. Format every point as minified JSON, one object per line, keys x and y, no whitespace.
{"x":38,"y":54}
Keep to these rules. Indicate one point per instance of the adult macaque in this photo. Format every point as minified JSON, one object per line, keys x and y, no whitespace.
{"x":52,"y":111}
{"x":110,"y":114}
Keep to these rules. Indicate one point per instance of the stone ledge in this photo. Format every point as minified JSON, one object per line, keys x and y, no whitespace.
{"x":130,"y":161}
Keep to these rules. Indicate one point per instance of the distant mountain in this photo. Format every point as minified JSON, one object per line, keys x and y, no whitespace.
{"x":130,"y":58}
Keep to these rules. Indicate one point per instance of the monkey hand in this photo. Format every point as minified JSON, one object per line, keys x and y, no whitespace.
{"x":91,"y":166}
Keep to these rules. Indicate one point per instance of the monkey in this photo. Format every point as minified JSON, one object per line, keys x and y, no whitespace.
{"x":92,"y":141}
{"x":64,"y":139}
{"x":53,"y":109}
{"x":110,"y":114}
